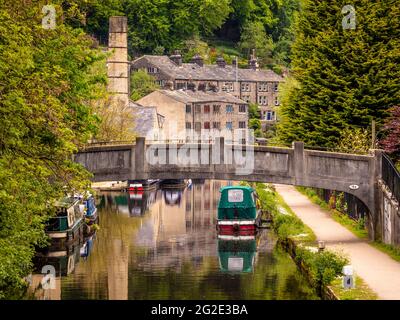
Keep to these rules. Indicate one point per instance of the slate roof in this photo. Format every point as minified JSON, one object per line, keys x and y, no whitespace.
{"x":208,"y":72}
{"x":145,"y":117}
{"x":189,"y":96}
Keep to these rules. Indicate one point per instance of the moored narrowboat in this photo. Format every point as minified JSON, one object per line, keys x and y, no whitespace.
{"x":237,"y":211}
{"x":68,"y":220}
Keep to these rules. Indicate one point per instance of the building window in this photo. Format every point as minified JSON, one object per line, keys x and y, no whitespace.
{"x":276,"y":86}
{"x":202,"y":86}
{"x":277,"y":101}
{"x":246,"y":87}
{"x":197,"y":108}
{"x":270,"y":116}
{"x":243,"y":141}
{"x":188,"y":108}
{"x":181,"y":85}
{"x":216,"y":108}
{"x":206,"y":125}
{"x":242,"y":108}
{"x":262,"y":100}
{"x":263,"y":86}
{"x":152,"y":70}
{"x":197,"y":126}
{"x":229,"y":108}
{"x":228,"y":87}
{"x":216,"y":125}
{"x":229,"y":125}
{"x":206,"y":108}
{"x":246,"y":98}
{"x":188,"y":125}
{"x":242,"y":124}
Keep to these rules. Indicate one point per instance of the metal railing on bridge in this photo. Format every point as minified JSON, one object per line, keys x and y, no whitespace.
{"x":391,"y":176}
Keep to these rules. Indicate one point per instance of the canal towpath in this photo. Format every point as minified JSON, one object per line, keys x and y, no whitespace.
{"x":377,"y":269}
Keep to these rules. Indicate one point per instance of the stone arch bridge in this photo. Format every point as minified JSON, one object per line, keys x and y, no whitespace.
{"x":355,"y":174}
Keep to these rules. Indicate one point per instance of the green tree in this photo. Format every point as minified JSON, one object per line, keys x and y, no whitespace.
{"x":142,"y":84}
{"x":254,"y":111}
{"x":167,"y":23}
{"x":253,"y":36}
{"x":47,"y":82}
{"x":343,"y":77}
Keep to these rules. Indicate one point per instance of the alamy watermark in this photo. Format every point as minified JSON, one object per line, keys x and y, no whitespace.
{"x":49,"y":18}
{"x":191,"y":148}
{"x":349,"y":21}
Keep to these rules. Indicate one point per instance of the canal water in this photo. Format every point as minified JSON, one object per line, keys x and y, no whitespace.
{"x":163,"y":244}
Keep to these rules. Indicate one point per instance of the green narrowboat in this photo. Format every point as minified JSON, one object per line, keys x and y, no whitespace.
{"x":66,"y":225}
{"x":237,"y":211}
{"x":237,"y":255}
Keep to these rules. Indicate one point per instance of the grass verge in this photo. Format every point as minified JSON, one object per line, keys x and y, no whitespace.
{"x":360,"y":292}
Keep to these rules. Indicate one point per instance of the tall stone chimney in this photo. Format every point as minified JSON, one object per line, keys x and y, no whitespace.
{"x":117,"y":63}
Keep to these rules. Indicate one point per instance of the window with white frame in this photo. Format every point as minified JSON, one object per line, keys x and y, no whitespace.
{"x":262,"y":100}
{"x":263,"y":86}
{"x":228,"y":87}
{"x":276,"y":86}
{"x":242,"y":108}
{"x":277,"y":101}
{"x":270,"y":115}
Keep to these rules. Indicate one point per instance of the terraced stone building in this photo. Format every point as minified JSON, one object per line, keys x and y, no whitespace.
{"x":250,"y":84}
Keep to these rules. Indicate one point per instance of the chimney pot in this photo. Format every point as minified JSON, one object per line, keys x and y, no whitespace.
{"x":221,"y":62}
{"x":197,"y":59}
{"x":176,"y":57}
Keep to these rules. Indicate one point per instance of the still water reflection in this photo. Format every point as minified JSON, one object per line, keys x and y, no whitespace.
{"x":162,"y":244}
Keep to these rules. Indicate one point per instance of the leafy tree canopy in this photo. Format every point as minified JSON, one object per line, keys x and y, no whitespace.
{"x":46,"y":85}
{"x":342,"y":77}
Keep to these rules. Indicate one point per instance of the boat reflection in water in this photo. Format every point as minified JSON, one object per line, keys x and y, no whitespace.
{"x":131,"y":203}
{"x":237,"y":254}
{"x":56,"y":261}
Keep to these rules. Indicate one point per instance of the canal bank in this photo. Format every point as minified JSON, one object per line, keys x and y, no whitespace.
{"x":380,"y":272}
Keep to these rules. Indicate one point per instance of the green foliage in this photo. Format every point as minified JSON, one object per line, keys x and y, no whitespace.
{"x":167,"y":23}
{"x":47,"y":83}
{"x":354,"y":140}
{"x":254,"y":111}
{"x":323,"y":267}
{"x":253,"y":36}
{"x":343,"y":77}
{"x":255,"y":124}
{"x":142,"y":84}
